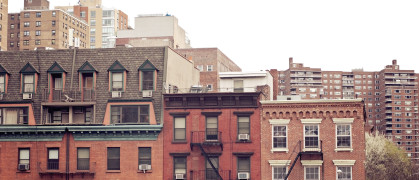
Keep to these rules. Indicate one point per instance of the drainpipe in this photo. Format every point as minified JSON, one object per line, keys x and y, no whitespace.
{"x":67,"y":155}
{"x":72,"y":68}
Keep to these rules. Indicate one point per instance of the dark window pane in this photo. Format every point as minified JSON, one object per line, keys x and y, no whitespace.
{"x":113,"y":158}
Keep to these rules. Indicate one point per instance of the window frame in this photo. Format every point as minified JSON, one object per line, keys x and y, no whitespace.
{"x":20,"y":159}
{"x":24,"y":75}
{"x":210,"y":68}
{"x":113,"y":158}
{"x":238,"y":125}
{"x":273,"y":172}
{"x":49,"y":161}
{"x":337,"y":174}
{"x":238,"y":165}
{"x":185,"y":164}
{"x":318,"y":135}
{"x":206,"y":128}
{"x":143,"y":81}
{"x":336,"y":135}
{"x":147,"y":158}
{"x":122,"y":81}
{"x":3,"y":85}
{"x":174,"y":129}
{"x":209,"y":169}
{"x":318,"y":171}
{"x":286,"y":136}
{"x":78,"y":158}
{"x":120,"y":115}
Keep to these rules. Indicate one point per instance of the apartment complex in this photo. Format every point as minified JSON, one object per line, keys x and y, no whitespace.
{"x":390,"y":96}
{"x":210,"y":62}
{"x":313,"y":139}
{"x":154,"y":30}
{"x":212,"y":136}
{"x":56,"y":29}
{"x":86,"y":113}
{"x":4,"y":8}
{"x":104,"y":22}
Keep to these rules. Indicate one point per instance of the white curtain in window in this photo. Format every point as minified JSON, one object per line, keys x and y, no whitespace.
{"x":11,"y":116}
{"x":117,"y":80}
{"x":53,"y":154}
{"x":58,"y":83}
{"x":28,"y":83}
{"x":24,"y":154}
{"x":83,"y":153}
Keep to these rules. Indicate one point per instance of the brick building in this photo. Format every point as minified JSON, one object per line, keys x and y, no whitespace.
{"x":86,"y":113}
{"x":31,"y":29}
{"x":210,"y":61}
{"x":212,"y":135}
{"x":4,"y":8}
{"x":390,"y":96}
{"x":313,"y":139}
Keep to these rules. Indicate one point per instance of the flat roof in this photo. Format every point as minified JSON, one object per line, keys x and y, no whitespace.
{"x":311,"y":101}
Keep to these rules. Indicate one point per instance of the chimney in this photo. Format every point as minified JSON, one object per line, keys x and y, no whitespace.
{"x":394,"y":61}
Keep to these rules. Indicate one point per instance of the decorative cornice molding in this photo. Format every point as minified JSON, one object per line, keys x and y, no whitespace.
{"x":311,"y":121}
{"x":279,"y":162}
{"x":311,"y":162}
{"x":343,"y":120}
{"x":344,"y":162}
{"x":279,"y":121}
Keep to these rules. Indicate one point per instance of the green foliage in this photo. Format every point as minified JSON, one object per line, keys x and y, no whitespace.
{"x":384,"y":160}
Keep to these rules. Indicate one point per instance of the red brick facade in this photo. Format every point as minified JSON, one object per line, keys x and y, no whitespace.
{"x":228,"y":148}
{"x":327,"y":156}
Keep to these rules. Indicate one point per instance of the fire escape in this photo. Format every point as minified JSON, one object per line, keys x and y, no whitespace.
{"x":207,"y":141}
{"x":312,"y":150}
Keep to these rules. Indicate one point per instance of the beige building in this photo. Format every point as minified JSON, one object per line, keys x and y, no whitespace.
{"x":31,"y":29}
{"x":3,"y":24}
{"x":154,"y":30}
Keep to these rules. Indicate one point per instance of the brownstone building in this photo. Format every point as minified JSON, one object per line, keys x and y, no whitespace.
{"x":56,"y":29}
{"x":313,"y":139}
{"x":210,"y":61}
{"x":390,"y":96}
{"x":212,"y":136}
{"x":86,"y":113}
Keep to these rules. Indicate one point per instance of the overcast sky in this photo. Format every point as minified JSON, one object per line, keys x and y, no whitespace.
{"x":263,"y":34}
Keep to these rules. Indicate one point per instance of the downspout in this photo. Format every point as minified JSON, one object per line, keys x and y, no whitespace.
{"x":165,"y":59}
{"x":72,"y":69}
{"x":67,"y":155}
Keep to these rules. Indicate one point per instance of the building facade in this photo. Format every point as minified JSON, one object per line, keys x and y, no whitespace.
{"x":154,"y":30}
{"x":212,"y":136}
{"x":54,"y":29}
{"x":36,"y":5}
{"x":390,"y":96}
{"x":210,"y":62}
{"x":247,"y":82}
{"x":4,"y":8}
{"x":313,"y":139}
{"x":85,"y":114}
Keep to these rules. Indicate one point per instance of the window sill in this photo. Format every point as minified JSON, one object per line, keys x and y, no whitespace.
{"x":179,"y":142}
{"x":28,"y":171}
{"x":344,"y":149}
{"x":113,"y":171}
{"x":279,"y":150}
{"x":147,"y":171}
{"x":238,"y":141}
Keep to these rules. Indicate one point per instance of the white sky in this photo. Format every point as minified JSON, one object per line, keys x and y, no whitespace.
{"x":263,"y":34}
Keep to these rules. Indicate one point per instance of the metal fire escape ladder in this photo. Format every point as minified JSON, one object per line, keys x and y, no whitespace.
{"x":295,"y":160}
{"x":207,"y":158}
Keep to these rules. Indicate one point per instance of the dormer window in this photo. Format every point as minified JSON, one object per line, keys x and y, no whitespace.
{"x":4,"y":75}
{"x":28,"y":79}
{"x":148,"y":75}
{"x":117,"y":75}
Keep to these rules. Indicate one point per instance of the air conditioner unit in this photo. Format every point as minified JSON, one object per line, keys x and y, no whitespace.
{"x":243,"y":137}
{"x":180,"y":176}
{"x":27,"y":95}
{"x":116,"y":94}
{"x":243,"y":175}
{"x":147,"y":93}
{"x":144,"y":167}
{"x":23,"y":167}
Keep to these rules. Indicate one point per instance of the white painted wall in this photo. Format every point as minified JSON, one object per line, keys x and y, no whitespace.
{"x":250,"y":81}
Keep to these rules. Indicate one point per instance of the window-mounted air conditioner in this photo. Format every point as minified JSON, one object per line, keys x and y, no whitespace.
{"x":27,"y":95}
{"x":116,"y":94}
{"x":23,"y":167}
{"x":144,"y":167}
{"x":243,"y":137}
{"x":180,"y":176}
{"x":147,"y":93}
{"x":243,"y":175}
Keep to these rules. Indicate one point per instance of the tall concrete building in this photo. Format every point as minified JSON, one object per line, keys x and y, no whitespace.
{"x":104,"y":22}
{"x":3,"y":24}
{"x":154,"y":30}
{"x":55,"y":29}
{"x":390,"y":96}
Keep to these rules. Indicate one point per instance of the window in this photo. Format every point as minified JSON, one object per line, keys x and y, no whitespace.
{"x":12,"y":26}
{"x":243,"y":164}
{"x":92,"y":14}
{"x":12,"y":17}
{"x":238,"y":86}
{"x":53,"y":32}
{"x":37,"y":42}
{"x":144,"y":155}
{"x":28,"y":83}
{"x":53,"y":13}
{"x":209,"y":87}
{"x":344,"y":172}
{"x":14,"y":115}
{"x":2,"y":83}
{"x":200,"y":67}
{"x":53,"y":158}
{"x":38,"y":14}
{"x":130,"y":114}
{"x":52,"y":41}
{"x":38,"y":23}
{"x":26,"y":24}
{"x":211,"y":128}
{"x":312,"y":173}
{"x":92,"y":22}
{"x":53,"y":23}
{"x":311,"y":136}
{"x":113,"y":158}
{"x":279,"y":136}
{"x":179,"y":164}
{"x":179,"y":129}
{"x":24,"y":156}
{"x":37,"y":33}
{"x":209,"y":68}
{"x":26,"y":15}
{"x":210,"y":173}
{"x":117,"y":82}
{"x":147,"y":80}
{"x":25,"y":33}
{"x":279,"y":172}
{"x":83,"y":14}
{"x":243,"y":125}
{"x":83,"y":156}
{"x":343,"y":135}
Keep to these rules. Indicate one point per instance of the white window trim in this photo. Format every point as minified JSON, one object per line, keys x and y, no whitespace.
{"x":279,"y":162}
{"x":337,"y":171}
{"x":343,"y":120}
{"x":336,"y":139}
{"x":308,"y":166}
{"x":304,"y":136}
{"x":311,"y":121}
{"x":212,"y":68}
{"x":272,"y":138}
{"x":344,"y":162}
{"x":274,"y":166}
{"x":311,"y":162}
{"x":279,"y":121}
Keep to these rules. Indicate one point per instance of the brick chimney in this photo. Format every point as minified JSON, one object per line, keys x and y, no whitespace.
{"x":394,"y":61}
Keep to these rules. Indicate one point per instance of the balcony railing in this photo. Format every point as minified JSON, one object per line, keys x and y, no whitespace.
{"x":209,"y":174}
{"x":68,"y":95}
{"x":202,"y":137}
